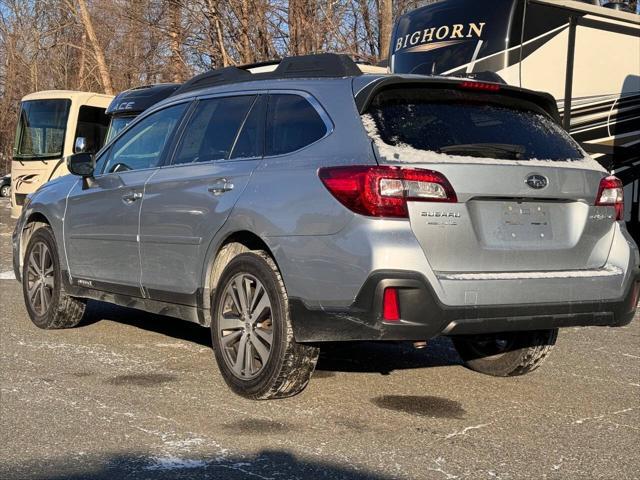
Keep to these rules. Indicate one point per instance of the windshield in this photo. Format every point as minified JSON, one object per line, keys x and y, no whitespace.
{"x":117,"y":125}
{"x":417,"y":119}
{"x":41,"y":129}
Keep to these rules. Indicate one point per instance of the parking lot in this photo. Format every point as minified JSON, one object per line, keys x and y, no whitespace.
{"x":129,"y":395}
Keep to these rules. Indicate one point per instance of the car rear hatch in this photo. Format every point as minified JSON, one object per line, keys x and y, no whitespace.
{"x":525,"y":193}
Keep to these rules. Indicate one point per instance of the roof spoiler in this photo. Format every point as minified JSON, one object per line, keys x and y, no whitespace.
{"x":542,"y":100}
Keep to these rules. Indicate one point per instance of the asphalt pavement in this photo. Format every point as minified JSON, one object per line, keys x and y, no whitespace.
{"x":129,"y":395}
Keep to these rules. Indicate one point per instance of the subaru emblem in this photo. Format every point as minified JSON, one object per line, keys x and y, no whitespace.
{"x":537,"y":181}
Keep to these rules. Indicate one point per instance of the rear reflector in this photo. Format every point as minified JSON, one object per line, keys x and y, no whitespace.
{"x":483,"y":86}
{"x":390,"y":305}
{"x":383,"y":191}
{"x":610,"y":194}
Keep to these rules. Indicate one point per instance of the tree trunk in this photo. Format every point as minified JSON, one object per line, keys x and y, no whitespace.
{"x":302,"y":28}
{"x":385,"y":22}
{"x":82,"y":61}
{"x":366,"y":20}
{"x":216,"y":34}
{"x":264,"y":45}
{"x":176,"y":66}
{"x":105,"y":77}
{"x":246,"y":53}
{"x":296,"y":44}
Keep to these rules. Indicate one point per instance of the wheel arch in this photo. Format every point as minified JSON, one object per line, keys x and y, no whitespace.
{"x":34,"y":221}
{"x":220,"y":254}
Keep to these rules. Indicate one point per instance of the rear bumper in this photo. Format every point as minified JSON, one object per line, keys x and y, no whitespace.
{"x":424,"y":316}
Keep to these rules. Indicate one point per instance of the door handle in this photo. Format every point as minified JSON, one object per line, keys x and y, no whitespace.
{"x":220,"y":186}
{"x":131,"y":197}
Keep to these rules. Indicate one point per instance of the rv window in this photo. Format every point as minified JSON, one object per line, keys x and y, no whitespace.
{"x":417,"y":118}
{"x":117,"y":125}
{"x":92,"y":125}
{"x":41,"y":129}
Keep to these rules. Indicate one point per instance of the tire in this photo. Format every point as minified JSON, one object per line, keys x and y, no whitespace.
{"x":48,"y":306}
{"x":287,"y":366}
{"x":5,"y":191}
{"x":505,"y":354}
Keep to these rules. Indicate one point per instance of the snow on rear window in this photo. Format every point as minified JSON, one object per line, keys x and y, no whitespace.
{"x":407,"y":128}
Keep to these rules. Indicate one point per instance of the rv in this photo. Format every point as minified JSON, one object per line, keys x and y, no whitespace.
{"x":586,"y":55}
{"x":127,"y":105}
{"x":52,"y":125}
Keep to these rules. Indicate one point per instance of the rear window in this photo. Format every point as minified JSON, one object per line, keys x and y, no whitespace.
{"x":419,"y":119}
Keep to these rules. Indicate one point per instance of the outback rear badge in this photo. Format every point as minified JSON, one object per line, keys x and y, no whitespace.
{"x":441,"y":218}
{"x":536,"y":181}
{"x":441,"y":214}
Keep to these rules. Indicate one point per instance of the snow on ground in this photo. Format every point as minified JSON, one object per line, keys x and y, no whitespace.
{"x":8,"y":275}
{"x":174,"y":463}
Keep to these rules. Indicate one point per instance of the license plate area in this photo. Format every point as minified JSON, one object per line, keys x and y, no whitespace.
{"x":524,"y":222}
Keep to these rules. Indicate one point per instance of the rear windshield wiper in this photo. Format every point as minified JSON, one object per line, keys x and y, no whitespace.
{"x":489,"y":150}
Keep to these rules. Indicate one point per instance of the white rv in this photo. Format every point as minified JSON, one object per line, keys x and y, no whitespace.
{"x":49,"y":126}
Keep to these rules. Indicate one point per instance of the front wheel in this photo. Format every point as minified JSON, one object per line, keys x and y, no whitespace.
{"x":48,"y":306}
{"x":252,"y":334}
{"x":505,"y":354}
{"x":5,"y":191}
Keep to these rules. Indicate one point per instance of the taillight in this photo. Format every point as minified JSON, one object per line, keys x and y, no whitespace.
{"x":611,"y":194}
{"x":483,"y":86}
{"x":383,"y":191}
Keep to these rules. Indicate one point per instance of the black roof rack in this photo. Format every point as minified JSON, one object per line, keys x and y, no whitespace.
{"x":323,"y":65}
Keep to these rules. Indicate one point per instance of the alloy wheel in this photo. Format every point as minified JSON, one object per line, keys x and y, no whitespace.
{"x":245,"y":324}
{"x":40,"y":278}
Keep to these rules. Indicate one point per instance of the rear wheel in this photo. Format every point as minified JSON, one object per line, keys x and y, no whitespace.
{"x":252,"y":334}
{"x":5,"y":191}
{"x":48,"y":306}
{"x":505,"y":354}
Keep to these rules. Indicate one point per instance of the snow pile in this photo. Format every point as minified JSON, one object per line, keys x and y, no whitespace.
{"x":403,"y":153}
{"x":174,"y":463}
{"x":8,"y":275}
{"x":606,"y":271}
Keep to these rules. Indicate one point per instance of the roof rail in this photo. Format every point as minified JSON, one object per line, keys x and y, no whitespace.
{"x":323,"y":65}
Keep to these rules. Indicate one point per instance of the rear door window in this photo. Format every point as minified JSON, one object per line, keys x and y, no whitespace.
{"x":449,"y":124}
{"x":212,"y":129}
{"x":292,"y":123}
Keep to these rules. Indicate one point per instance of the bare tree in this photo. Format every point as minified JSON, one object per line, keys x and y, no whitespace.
{"x":385,"y":23}
{"x":176,"y":33}
{"x":112,"y":45}
{"x":105,"y":76}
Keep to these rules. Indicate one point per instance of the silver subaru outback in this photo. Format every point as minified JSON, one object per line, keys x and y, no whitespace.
{"x":313,"y":203}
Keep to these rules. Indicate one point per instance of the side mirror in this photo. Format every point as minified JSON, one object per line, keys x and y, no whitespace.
{"x":80,"y":146}
{"x":81,"y":164}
